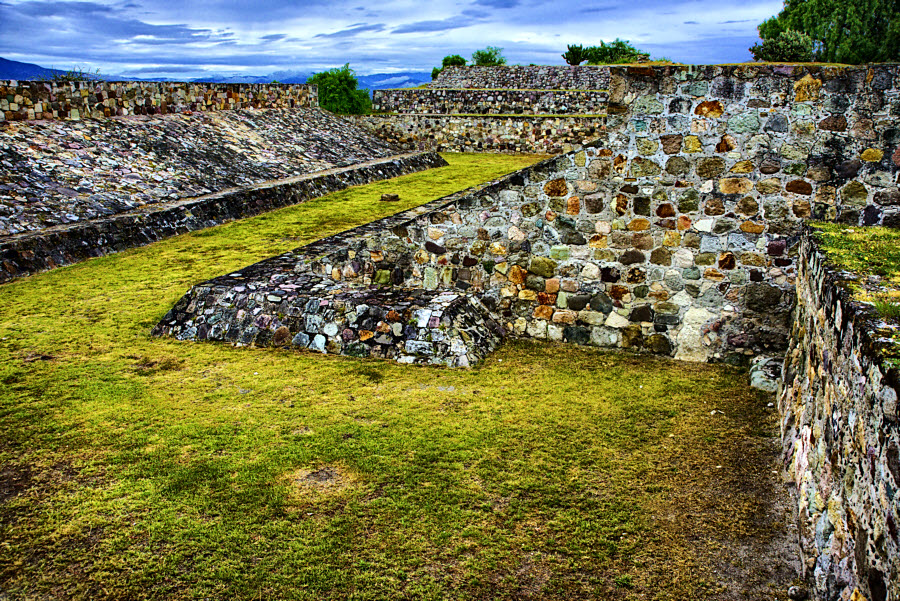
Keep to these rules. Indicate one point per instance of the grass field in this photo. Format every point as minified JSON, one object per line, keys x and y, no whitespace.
{"x":142,"y":468}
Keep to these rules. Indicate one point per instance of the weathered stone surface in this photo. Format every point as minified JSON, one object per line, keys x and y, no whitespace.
{"x":735,"y":185}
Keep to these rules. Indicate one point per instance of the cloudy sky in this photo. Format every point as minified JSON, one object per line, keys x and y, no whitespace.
{"x":184,"y":39}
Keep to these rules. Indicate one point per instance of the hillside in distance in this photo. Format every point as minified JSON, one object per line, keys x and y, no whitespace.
{"x":10,"y":69}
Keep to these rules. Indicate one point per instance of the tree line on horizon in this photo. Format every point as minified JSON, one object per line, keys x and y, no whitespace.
{"x":831,"y":31}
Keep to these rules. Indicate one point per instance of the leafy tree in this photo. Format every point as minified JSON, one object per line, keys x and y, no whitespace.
{"x":616,"y":52}
{"x":574,"y":55}
{"x":842,"y":31}
{"x":451,"y":60}
{"x":489,"y":57}
{"x":788,"y":46}
{"x":338,"y":93}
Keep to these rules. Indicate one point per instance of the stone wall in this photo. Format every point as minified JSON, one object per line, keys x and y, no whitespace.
{"x":838,"y":403}
{"x":59,"y":172}
{"x":28,"y":100}
{"x":455,"y":133}
{"x":446,"y":101}
{"x":675,"y":232}
{"x":583,"y":77}
{"x":32,"y":252}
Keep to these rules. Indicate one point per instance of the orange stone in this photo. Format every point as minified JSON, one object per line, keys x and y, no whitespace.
{"x":711,"y":108}
{"x":638,"y":225}
{"x":598,"y":241}
{"x":517,"y":274}
{"x":365,"y":334}
{"x":543,"y":312}
{"x":551,"y":285}
{"x":393,"y":316}
{"x":684,"y":223}
{"x":564,"y":316}
{"x":713,"y":274}
{"x":752,"y":227}
{"x":735,"y":185}
{"x":556,"y":187}
{"x":573,"y":205}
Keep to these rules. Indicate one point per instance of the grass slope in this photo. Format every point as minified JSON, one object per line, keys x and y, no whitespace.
{"x":140,"y":468}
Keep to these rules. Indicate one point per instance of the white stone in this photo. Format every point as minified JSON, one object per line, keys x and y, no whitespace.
{"x":590,"y":272}
{"x":690,"y":337}
{"x":554,"y":332}
{"x":515,"y":233}
{"x":704,"y":225}
{"x":683,"y":258}
{"x":706,"y":187}
{"x":616,"y":321}
{"x":594,"y":318}
{"x":537,"y":328}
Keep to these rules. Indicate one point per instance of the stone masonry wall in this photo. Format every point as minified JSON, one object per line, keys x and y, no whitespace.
{"x":838,"y":403}
{"x":681,"y":220}
{"x":59,"y":172}
{"x":32,"y":252}
{"x":454,"y":133}
{"x":28,"y":100}
{"x":446,"y":101}
{"x":583,"y":77}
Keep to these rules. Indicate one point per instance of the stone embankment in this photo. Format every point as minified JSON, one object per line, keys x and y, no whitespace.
{"x":29,"y":100}
{"x":533,"y":134}
{"x":32,"y":252}
{"x":445,"y":101}
{"x":838,"y":403}
{"x":582,"y":77}
{"x":58,"y":172}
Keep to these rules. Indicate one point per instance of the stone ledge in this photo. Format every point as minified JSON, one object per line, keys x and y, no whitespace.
{"x":301,"y":311}
{"x":29,"y":253}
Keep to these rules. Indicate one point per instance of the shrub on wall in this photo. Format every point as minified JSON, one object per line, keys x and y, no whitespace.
{"x":338,"y":93}
{"x":616,"y":52}
{"x":451,"y":60}
{"x":489,"y":57}
{"x":788,"y":46}
{"x":574,"y":55}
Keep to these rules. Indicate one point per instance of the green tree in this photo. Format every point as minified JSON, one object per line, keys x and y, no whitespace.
{"x":616,"y":52}
{"x":574,"y":54}
{"x":842,"y":31}
{"x":338,"y":93}
{"x":451,"y":60}
{"x":788,"y":46}
{"x":489,"y":57}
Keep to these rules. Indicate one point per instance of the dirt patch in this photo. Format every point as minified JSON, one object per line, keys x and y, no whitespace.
{"x":725,"y":525}
{"x":318,"y":484}
{"x":14,"y":480}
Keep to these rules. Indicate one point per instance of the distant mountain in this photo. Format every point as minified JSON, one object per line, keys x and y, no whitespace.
{"x":16,"y":70}
{"x":381,"y":81}
{"x":378,"y":81}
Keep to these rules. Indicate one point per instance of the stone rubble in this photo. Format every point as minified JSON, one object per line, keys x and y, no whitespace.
{"x":59,"y":172}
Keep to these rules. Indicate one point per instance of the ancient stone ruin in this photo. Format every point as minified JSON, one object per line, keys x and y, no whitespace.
{"x":672,"y":221}
{"x":678,"y":228}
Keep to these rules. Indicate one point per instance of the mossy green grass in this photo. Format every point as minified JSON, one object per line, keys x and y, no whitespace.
{"x":142,"y":468}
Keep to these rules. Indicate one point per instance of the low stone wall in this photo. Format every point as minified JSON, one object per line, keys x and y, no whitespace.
{"x":452,"y":133}
{"x":448,"y":101}
{"x":28,"y":100}
{"x":534,"y":77}
{"x":29,"y":253}
{"x":838,"y":403}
